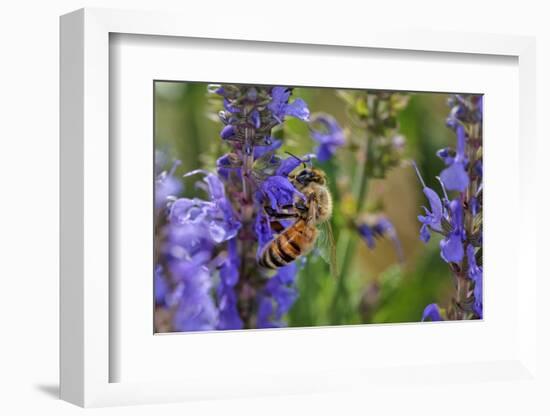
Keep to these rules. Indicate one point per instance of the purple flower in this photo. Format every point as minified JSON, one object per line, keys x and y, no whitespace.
{"x":166,"y":186}
{"x":280,"y":107}
{"x":263,"y":231}
{"x":431,"y":312}
{"x":452,"y":249}
{"x":195,"y":227}
{"x":161,"y":288}
{"x":453,"y":120}
{"x":273,"y":145}
{"x":475,"y":273}
{"x":381,"y":226}
{"x":265,"y":312}
{"x":196,"y":310}
{"x":432,"y":219}
{"x":474,"y":205}
{"x":249,"y":115}
{"x":454,"y":176}
{"x":478,"y":168}
{"x":216,"y":215}
{"x":459,"y":225}
{"x":292,"y":162}
{"x":228,"y":132}
{"x":329,"y":135}
{"x":277,"y":297}
{"x":278,"y":191}
{"x":187,"y":242}
{"x":228,"y":163}
{"x":205,"y":214}
{"x":227,"y":299}
{"x":229,"y":107}
{"x":446,"y":154}
{"x":255,"y":119}
{"x":187,"y":251}
{"x":367,"y":233}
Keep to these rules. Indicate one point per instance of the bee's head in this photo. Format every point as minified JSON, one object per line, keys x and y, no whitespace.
{"x":308,"y":175}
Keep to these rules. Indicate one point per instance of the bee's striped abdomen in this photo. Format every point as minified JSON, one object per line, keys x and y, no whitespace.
{"x":293,"y":242}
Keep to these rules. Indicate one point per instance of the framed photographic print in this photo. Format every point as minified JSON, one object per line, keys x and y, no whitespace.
{"x":262,"y":228}
{"x":288,"y":221}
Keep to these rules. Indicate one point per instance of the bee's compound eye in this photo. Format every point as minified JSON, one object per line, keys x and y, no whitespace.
{"x":303,"y":176}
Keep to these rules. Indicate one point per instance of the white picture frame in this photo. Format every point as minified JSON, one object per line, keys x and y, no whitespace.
{"x":87,"y":308}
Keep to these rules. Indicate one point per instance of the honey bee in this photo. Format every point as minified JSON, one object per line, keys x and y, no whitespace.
{"x":303,"y":234}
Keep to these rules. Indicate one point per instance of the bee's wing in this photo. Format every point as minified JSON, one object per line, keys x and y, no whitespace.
{"x":326,"y":247}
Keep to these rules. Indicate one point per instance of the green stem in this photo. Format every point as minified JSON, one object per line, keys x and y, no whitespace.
{"x":339,"y":304}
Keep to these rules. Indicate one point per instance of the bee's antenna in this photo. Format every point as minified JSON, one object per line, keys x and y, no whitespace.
{"x":297,"y":158}
{"x":294,"y":156}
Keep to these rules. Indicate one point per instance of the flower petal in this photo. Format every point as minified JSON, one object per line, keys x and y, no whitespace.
{"x":435,"y":205}
{"x":259,"y":151}
{"x":278,"y":191}
{"x":452,"y":250}
{"x":457,"y":215}
{"x":475,"y":273}
{"x":161,"y":288}
{"x":325,"y":152}
{"x":444,"y":154}
{"x":455,"y":177}
{"x":367,"y":234}
{"x":227,"y":132}
{"x":326,"y":131}
{"x":432,"y":313}
{"x":425,"y":234}
{"x":280,"y":107}
{"x":298,"y":108}
{"x":288,"y":165}
{"x":263,"y":231}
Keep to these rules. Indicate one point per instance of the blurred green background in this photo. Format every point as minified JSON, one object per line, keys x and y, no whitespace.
{"x":380,"y":288}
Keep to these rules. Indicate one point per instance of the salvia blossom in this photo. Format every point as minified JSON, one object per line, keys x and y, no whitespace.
{"x":195,"y":228}
{"x":326,"y":131}
{"x":433,"y":216}
{"x":195,"y":310}
{"x":207,"y":274}
{"x":259,"y":180}
{"x":166,"y":185}
{"x":277,"y":192}
{"x":475,"y":273}
{"x":277,"y":297}
{"x":215,"y":214}
{"x":454,"y":177}
{"x":459,"y":220}
{"x":374,"y":226}
{"x":161,"y":286}
{"x":227,"y":299}
{"x":431,"y":313}
{"x":452,"y":249}
{"x":281,"y":107}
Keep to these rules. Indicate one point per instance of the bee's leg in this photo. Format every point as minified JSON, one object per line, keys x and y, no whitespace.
{"x":280,"y":215}
{"x":301,"y":206}
{"x":284,"y":215}
{"x":276,"y":226}
{"x":312,"y":212}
